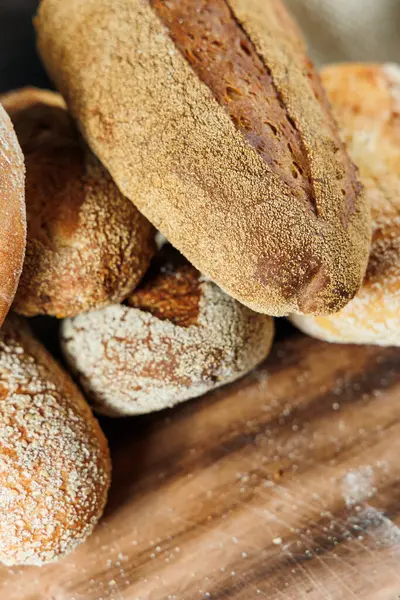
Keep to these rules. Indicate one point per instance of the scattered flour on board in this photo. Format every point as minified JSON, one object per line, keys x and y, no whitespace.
{"x":358,"y":485}
{"x":357,"y":488}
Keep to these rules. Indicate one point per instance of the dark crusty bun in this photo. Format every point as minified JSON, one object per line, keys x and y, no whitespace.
{"x":179,"y":337}
{"x":55,"y":465}
{"x":87,"y":245}
{"x":212,"y":120}
{"x":12,"y":213}
{"x":366,"y":101}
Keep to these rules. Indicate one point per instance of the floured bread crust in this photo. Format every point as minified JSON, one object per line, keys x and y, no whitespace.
{"x":12,"y":213}
{"x":271,"y":211}
{"x":366,"y":102}
{"x":54,"y":459}
{"x":87,"y":245}
{"x":178,"y":337}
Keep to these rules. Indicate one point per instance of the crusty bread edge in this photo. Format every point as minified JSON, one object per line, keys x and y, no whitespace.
{"x":13,"y":217}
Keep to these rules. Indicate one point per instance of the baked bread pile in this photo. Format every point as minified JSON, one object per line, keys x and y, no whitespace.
{"x":204,"y":121}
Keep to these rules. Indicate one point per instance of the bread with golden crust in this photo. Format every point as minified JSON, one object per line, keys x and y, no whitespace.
{"x":178,"y":336}
{"x":212,"y":120}
{"x":12,"y":213}
{"x":87,"y":245}
{"x":54,"y":459}
{"x":366,"y":102}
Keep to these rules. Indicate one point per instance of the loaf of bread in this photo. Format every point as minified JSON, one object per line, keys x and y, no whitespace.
{"x":178,"y":337}
{"x":212,"y":120}
{"x":12,"y":214}
{"x":366,"y":101}
{"x":87,"y":245}
{"x":54,"y":460}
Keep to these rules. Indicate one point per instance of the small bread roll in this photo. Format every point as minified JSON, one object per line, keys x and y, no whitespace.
{"x":54,"y":459}
{"x":12,"y":213}
{"x":212,"y":120}
{"x":178,"y":337}
{"x":366,"y":101}
{"x":87,"y":246}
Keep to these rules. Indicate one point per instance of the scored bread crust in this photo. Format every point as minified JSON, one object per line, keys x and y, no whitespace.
{"x":87,"y":245}
{"x":12,"y":213}
{"x":177,"y":154}
{"x":366,"y":101}
{"x":55,"y":464}
{"x":179,"y":337}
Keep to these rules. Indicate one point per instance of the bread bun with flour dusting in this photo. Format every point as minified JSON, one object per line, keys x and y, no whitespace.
{"x":178,"y":336}
{"x":12,"y":213}
{"x":54,"y":460}
{"x":212,"y":120}
{"x":87,"y":245}
{"x":366,"y":101}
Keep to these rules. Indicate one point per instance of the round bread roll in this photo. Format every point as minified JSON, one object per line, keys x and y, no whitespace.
{"x":54,"y":459}
{"x":87,"y":246}
{"x":212,"y":120}
{"x":12,"y":215}
{"x":366,"y":101}
{"x":178,"y":337}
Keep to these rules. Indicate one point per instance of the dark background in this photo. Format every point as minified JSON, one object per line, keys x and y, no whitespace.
{"x":19,"y":64}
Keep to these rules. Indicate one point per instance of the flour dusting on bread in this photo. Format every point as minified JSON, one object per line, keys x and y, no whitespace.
{"x":130,"y":361}
{"x":54,"y":463}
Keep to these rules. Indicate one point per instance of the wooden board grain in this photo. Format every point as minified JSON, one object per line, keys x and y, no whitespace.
{"x":285,"y":485}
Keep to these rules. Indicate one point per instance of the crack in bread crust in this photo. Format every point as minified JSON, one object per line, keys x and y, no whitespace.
{"x":344,"y":172}
{"x":223,"y":56}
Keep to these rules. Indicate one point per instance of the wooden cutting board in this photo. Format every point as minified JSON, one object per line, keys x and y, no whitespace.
{"x":285,"y":485}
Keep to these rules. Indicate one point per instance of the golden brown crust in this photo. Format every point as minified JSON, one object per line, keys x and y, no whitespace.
{"x":366,"y":102}
{"x":170,"y":290}
{"x":55,"y":464}
{"x":176,"y":153}
{"x":12,"y":216}
{"x":179,"y":337}
{"x":88,"y":246}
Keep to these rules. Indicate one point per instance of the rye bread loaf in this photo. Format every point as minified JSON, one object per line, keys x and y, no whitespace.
{"x":366,"y":102}
{"x":55,"y":464}
{"x":12,"y":213}
{"x":178,"y":336}
{"x":212,"y":120}
{"x":87,"y":245}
